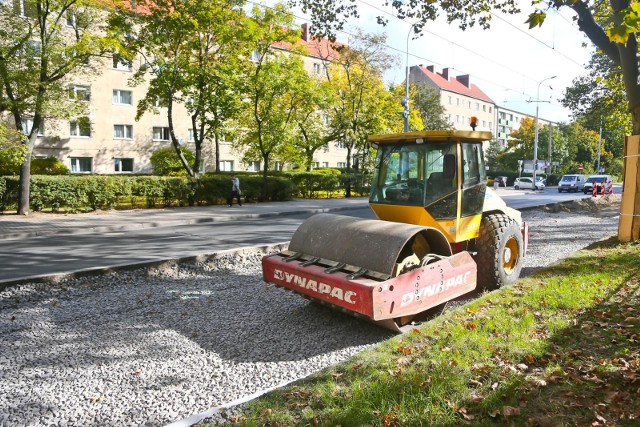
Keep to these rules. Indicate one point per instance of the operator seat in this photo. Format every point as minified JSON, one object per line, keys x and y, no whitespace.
{"x":442,"y":183}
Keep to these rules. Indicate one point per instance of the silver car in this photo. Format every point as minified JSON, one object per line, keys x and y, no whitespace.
{"x":527,"y":183}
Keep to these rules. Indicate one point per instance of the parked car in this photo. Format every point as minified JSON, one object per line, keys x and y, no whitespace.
{"x":501,"y":180}
{"x":571,"y":183}
{"x":597,"y":179}
{"x":527,"y":183}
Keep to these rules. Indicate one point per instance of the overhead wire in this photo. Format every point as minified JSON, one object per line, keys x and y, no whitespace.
{"x":476,"y":77}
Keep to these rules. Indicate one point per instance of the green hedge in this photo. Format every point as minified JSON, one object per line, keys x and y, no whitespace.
{"x":77,"y":193}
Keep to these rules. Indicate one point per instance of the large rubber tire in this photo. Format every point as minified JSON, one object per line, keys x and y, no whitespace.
{"x":500,"y":251}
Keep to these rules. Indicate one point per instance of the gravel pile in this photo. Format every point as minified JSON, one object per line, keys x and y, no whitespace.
{"x":149,"y":347}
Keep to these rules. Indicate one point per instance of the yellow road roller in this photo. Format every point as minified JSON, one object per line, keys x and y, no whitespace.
{"x":440,"y":234}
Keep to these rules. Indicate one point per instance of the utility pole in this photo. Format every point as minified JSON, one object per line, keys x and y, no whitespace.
{"x":405,"y":100}
{"x":549,"y":151}
{"x":599,"y":146}
{"x":535,"y":142}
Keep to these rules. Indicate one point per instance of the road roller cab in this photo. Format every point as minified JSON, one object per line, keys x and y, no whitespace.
{"x":434,"y":179}
{"x":440,"y":233}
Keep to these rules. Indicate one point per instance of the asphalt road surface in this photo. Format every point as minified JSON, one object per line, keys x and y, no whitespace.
{"x":30,"y":258}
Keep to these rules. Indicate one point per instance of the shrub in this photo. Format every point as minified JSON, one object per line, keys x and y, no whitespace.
{"x":48,"y":166}
{"x":11,"y":158}
{"x":165,"y":161}
{"x":311,"y":184}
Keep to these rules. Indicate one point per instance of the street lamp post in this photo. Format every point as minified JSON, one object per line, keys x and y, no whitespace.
{"x":535,"y":142}
{"x":405,"y":100}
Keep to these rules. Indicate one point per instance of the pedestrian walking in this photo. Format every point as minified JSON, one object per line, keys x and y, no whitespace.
{"x":235,"y":191}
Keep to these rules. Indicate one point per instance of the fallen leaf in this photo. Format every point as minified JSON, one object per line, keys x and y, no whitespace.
{"x":510,"y":411}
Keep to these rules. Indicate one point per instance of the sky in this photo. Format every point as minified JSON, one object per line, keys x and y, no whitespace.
{"x":509,"y":62}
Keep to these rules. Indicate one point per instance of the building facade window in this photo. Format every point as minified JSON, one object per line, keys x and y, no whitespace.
{"x":342,"y":164}
{"x":25,"y":8}
{"x":80,"y":164}
{"x":226,"y":165}
{"x":315,"y":165}
{"x":317,"y":68}
{"x":122,"y":165}
{"x":27,"y":125}
{"x":254,"y":167}
{"x":80,"y":127}
{"x":33,"y":48}
{"x":71,"y":19}
{"x":122,"y":97}
{"x":123,"y":131}
{"x":255,"y":56}
{"x":341,"y":145}
{"x":79,"y":93}
{"x":192,"y":135}
{"x":325,"y":164}
{"x":450,"y":100}
{"x":120,"y":63}
{"x":160,"y":102}
{"x":161,"y":134}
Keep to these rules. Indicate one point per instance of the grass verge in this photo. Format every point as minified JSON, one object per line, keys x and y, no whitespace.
{"x":561,"y":347}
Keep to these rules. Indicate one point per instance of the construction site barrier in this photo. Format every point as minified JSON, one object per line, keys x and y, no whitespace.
{"x":602,"y":188}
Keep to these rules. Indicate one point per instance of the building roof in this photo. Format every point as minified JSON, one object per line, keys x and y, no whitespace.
{"x":458,"y":84}
{"x":318,"y":47}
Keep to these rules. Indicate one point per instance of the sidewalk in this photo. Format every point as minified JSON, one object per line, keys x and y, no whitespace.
{"x":13,"y":226}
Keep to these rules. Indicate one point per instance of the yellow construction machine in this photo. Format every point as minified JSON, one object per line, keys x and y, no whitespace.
{"x":440,"y":233}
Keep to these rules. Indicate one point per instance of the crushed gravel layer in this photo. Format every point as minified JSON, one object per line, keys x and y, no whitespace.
{"x":149,"y":347}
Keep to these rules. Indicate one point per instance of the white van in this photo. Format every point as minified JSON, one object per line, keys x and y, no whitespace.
{"x":571,"y":183}
{"x":599,"y":180}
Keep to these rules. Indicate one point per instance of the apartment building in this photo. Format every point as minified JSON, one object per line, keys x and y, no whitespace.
{"x":460,"y":98}
{"x":509,"y":121}
{"x":109,"y":139}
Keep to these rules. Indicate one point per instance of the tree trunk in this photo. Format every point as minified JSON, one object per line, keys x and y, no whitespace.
{"x":629,"y":223}
{"x":347,"y":189}
{"x":216,"y":139}
{"x":24,"y":184}
{"x":265,"y":180}
{"x":309,"y":156}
